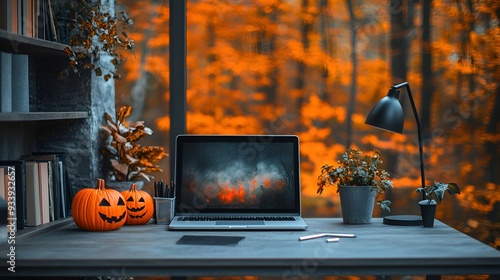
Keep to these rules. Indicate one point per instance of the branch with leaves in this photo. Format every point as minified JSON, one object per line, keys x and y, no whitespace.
{"x":128,"y":160}
{"x":96,"y":31}
{"x":437,"y":191}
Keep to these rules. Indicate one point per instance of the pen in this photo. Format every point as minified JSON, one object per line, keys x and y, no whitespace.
{"x":172,"y":189}
{"x":160,"y":189}
{"x":167,"y":190}
{"x":345,"y":235}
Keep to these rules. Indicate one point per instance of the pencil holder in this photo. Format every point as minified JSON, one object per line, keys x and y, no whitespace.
{"x":164,"y":209}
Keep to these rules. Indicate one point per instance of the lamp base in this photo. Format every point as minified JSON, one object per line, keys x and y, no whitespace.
{"x":403,"y":220}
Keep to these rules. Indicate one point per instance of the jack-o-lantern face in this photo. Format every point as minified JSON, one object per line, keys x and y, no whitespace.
{"x":113,"y":219}
{"x":139,"y":206}
{"x":99,"y":209}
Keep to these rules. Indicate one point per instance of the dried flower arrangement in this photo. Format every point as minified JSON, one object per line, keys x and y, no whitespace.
{"x":128,"y":160}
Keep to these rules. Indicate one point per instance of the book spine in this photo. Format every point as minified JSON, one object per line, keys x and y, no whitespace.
{"x":20,"y":83}
{"x":33,"y":214}
{"x":43,"y":183}
{"x":12,"y":16}
{"x":29,"y":18}
{"x":5,"y":82}
{"x":40,"y":20}
{"x":20,"y":17}
{"x":3,"y":189}
{"x":3,"y":15}
{"x":51,"y":192}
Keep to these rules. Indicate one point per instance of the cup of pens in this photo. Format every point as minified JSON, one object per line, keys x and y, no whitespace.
{"x":164,"y":200}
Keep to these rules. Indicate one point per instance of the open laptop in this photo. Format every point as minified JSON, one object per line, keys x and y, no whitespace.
{"x":237,"y":182}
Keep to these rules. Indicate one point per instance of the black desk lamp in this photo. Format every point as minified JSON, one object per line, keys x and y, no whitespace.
{"x":388,"y":114}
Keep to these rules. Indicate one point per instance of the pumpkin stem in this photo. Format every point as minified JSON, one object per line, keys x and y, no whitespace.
{"x":133,"y":188}
{"x":100,"y":184}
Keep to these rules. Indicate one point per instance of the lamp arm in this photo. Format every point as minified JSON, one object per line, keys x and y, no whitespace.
{"x":420,"y":148}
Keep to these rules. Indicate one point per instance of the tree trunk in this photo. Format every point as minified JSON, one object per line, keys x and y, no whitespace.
{"x":301,"y":67}
{"x":491,"y":146}
{"x":352,"y":100}
{"x":399,"y":44}
{"x":398,"y":57}
{"x":325,"y":43}
{"x":427,"y":81}
{"x":265,"y":45}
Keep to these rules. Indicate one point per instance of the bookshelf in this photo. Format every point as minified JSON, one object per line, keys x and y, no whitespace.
{"x":41,"y":116}
{"x":64,"y":114}
{"x":15,"y":43}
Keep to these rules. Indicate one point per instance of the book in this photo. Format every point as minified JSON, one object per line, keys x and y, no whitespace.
{"x":12,"y":14}
{"x":33,"y":209}
{"x":52,"y":23}
{"x":3,"y":15}
{"x":58,"y":186}
{"x":40,"y":19}
{"x":5,"y":82}
{"x":21,"y":17}
{"x":16,"y":179}
{"x":63,"y":183}
{"x":46,"y":24}
{"x":20,"y":83}
{"x":30,"y":18}
{"x":51,"y":193}
{"x":43,"y":184}
{"x":3,"y":189}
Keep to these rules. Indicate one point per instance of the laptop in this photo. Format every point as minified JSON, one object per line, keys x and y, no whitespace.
{"x":237,"y":182}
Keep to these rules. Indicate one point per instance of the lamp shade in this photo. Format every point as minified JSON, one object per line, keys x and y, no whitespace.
{"x":387,"y":113}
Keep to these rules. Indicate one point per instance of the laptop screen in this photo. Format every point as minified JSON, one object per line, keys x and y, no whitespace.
{"x":237,"y":174}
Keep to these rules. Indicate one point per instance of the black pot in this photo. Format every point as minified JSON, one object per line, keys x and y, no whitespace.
{"x":428,"y":211}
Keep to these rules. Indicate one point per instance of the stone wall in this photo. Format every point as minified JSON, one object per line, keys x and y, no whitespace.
{"x":79,"y":139}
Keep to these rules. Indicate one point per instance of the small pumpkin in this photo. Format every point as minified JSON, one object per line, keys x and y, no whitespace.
{"x":140,"y":206}
{"x":99,"y":209}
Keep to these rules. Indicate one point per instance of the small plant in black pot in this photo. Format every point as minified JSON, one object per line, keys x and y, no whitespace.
{"x":434,"y":194}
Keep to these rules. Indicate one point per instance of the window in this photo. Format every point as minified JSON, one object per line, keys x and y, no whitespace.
{"x":316,"y":67}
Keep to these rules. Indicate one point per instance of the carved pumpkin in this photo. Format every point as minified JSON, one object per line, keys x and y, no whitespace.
{"x":140,"y":206}
{"x":99,"y":209}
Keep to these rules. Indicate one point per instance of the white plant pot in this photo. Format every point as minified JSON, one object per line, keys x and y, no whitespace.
{"x":357,"y":203}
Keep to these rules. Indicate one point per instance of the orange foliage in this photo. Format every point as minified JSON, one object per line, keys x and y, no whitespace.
{"x":317,"y":109}
{"x":482,"y":200}
{"x":207,"y":124}
{"x":163,"y":123}
{"x":251,"y":69}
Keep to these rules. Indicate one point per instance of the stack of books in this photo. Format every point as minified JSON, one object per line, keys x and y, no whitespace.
{"x":31,"y":18}
{"x":39,"y":186}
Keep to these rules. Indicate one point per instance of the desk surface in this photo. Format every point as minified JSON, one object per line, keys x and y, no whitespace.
{"x":151,"y":249}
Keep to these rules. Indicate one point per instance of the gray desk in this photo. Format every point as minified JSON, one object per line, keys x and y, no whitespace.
{"x":152,"y":250}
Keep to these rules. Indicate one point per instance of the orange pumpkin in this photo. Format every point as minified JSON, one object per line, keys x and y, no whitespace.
{"x":140,"y":206}
{"x":99,"y":209}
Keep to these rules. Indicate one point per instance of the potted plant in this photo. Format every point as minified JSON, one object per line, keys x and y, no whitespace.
{"x":96,"y":36}
{"x":359,"y":181}
{"x":434,"y":194}
{"x":127,"y":160}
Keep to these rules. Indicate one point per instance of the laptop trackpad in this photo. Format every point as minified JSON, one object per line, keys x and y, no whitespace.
{"x":239,"y":223}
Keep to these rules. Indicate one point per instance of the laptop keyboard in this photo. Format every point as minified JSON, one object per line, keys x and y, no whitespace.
{"x":185,"y":219}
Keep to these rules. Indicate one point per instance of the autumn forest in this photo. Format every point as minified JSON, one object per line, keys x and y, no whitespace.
{"x":315,"y":68}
